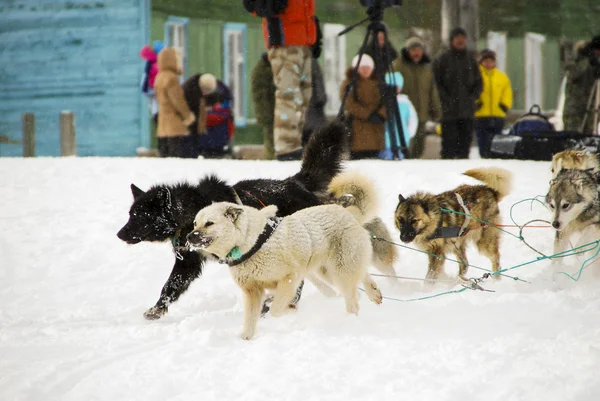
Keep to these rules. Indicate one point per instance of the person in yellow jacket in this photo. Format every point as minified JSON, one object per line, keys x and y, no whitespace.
{"x":493,"y":104}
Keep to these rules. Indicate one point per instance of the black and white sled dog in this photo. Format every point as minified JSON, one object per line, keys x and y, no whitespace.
{"x":575,"y":202}
{"x":166,"y":212}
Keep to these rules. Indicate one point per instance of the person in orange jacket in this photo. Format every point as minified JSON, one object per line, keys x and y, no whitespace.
{"x":493,"y":104}
{"x":290,"y":31}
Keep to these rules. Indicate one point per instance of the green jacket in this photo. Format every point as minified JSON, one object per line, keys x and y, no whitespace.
{"x":580,"y":81}
{"x":263,"y":91}
{"x":419,"y":86}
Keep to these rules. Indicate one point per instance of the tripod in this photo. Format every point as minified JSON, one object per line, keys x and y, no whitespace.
{"x":594,"y":97}
{"x":394,"y":119}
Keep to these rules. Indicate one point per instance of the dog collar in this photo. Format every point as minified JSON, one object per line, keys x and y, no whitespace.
{"x":235,"y":257}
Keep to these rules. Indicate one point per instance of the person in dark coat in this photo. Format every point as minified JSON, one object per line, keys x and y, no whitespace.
{"x":459,"y":85}
{"x":383,"y":55}
{"x":195,"y":89}
{"x":263,"y":95}
{"x":415,"y":66}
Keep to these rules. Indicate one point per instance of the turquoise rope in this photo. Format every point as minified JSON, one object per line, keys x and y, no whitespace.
{"x":443,"y":257}
{"x":424,"y":298}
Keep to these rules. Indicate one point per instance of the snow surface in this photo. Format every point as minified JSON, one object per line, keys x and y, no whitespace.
{"x":72,"y":297}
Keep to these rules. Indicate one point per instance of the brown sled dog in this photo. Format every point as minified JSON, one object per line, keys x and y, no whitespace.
{"x":420,"y":218}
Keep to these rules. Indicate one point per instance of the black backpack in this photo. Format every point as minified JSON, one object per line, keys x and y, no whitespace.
{"x":533,"y":121}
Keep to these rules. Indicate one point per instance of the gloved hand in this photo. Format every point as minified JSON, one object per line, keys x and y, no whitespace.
{"x":375,"y":118}
{"x":504,"y":108}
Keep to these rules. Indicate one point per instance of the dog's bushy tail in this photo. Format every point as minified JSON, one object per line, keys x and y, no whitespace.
{"x":356,"y":193}
{"x":497,"y":178}
{"x":322,"y":158}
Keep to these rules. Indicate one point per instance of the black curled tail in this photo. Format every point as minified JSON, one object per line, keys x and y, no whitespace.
{"x":322,"y":158}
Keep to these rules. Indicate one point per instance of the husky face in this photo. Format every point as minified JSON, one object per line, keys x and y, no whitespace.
{"x":571,"y":193}
{"x":216,"y":228}
{"x":415,"y":216}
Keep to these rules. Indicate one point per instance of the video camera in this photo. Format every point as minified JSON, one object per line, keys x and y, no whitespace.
{"x":380,"y":3}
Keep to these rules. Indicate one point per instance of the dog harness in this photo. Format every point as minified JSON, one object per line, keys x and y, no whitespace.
{"x":454,"y":231}
{"x":235,"y":257}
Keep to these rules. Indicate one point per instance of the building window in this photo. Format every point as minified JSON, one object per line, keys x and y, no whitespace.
{"x":234,"y":68}
{"x":334,"y":60}
{"x":176,"y":36}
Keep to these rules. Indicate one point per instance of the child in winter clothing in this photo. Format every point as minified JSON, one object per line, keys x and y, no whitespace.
{"x":408,"y":115}
{"x":494,"y":102}
{"x":150,"y":54}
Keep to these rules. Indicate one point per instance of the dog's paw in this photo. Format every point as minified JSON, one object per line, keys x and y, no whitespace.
{"x":353,"y":308}
{"x":247,"y":334}
{"x":155,"y":313}
{"x":374,"y":294}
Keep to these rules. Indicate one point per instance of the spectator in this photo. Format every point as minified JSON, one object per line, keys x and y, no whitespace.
{"x":196,"y":89}
{"x":289,"y":32}
{"x":582,"y":75}
{"x":175,"y":115}
{"x":263,"y":95}
{"x":408,"y":116}
{"x":365,"y":110}
{"x":150,"y":54}
{"x":493,"y":104}
{"x":459,"y":85}
{"x":415,"y":66}
{"x":382,"y":55}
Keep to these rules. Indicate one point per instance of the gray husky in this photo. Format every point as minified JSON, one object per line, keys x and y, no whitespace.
{"x":575,"y":203}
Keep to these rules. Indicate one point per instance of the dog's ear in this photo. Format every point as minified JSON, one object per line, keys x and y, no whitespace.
{"x":136,"y":191}
{"x":232,"y":213}
{"x":425,"y":207}
{"x":401,"y":198}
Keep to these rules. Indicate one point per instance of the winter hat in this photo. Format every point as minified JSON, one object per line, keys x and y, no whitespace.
{"x":365,"y":61}
{"x":395,"y":79}
{"x":413,"y":42}
{"x":457,"y":31}
{"x":595,"y":43}
{"x":157,"y":46}
{"x":487,"y":53}
{"x":208,"y":82}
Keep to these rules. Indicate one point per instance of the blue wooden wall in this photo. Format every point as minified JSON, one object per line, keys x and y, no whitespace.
{"x":78,"y":55}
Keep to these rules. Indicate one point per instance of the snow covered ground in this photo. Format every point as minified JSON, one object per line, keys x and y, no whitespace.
{"x":72,"y":297}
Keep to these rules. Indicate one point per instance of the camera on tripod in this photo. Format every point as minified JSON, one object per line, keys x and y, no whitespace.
{"x":380,"y":3}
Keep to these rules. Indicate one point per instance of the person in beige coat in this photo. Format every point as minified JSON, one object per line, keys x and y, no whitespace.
{"x":174,"y":113}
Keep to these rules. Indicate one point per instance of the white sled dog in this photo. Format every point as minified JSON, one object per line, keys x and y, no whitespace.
{"x":574,"y":200}
{"x":265,"y":252}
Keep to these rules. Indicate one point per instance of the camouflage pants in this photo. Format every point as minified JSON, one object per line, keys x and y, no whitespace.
{"x":292,"y":79}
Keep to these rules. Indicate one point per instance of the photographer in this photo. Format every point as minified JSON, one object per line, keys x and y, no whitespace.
{"x":581,"y":78}
{"x":289,"y":31}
